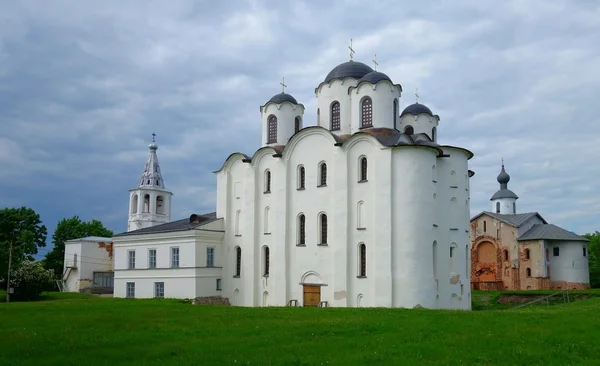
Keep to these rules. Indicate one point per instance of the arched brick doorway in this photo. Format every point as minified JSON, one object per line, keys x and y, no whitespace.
{"x":486,"y":266}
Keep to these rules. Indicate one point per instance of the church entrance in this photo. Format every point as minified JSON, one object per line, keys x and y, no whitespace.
{"x":312,"y":295}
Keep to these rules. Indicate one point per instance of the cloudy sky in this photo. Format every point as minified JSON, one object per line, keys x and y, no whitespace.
{"x":83,"y":84}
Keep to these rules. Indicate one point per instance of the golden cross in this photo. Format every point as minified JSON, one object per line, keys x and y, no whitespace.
{"x":351,"y":49}
{"x":375,"y":62}
{"x":282,"y":85}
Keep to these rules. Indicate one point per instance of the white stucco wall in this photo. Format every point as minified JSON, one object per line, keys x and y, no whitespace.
{"x":382,"y":95}
{"x":506,"y":205}
{"x":89,"y":256}
{"x":570,"y":265}
{"x":286,"y":114}
{"x":421,"y":123}
{"x":327,"y":93}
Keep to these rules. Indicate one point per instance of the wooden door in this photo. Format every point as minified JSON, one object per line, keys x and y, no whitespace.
{"x":312,"y":295}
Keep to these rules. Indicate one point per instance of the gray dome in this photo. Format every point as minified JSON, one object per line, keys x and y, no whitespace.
{"x":283,"y":97}
{"x":350,"y":69}
{"x":416,"y":109}
{"x":503,"y":177}
{"x":374,"y":77}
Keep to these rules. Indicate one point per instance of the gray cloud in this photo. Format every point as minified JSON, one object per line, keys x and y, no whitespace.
{"x":83,"y":84}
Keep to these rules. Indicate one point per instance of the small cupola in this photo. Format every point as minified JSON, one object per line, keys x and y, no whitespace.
{"x":418,"y":118}
{"x":504,"y":200}
{"x":282,"y":116}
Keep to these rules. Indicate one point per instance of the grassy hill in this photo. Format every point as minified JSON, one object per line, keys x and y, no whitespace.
{"x":88,"y":330}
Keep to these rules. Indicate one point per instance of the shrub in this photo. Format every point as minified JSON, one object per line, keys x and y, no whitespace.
{"x":29,"y":279}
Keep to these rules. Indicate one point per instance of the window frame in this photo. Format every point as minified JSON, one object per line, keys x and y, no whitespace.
{"x":159,"y":286}
{"x":152,"y":258}
{"x":174,"y":257}
{"x":210,"y":257}
{"x":272,"y":129}
{"x":335,"y":116}
{"x":131,"y":259}
{"x":366,"y":112}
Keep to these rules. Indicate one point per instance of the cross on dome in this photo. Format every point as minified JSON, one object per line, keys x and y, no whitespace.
{"x":153,"y":137}
{"x":417,"y":94}
{"x":282,"y":84}
{"x":375,"y":62}
{"x":351,"y":50}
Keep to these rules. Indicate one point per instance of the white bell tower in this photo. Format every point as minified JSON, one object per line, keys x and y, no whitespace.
{"x":150,"y":202}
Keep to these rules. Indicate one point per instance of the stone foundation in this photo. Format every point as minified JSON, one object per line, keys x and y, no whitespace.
{"x":563,"y":285}
{"x":211,"y":300}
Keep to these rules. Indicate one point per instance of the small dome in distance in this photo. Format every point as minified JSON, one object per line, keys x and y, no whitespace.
{"x":283,"y":97}
{"x":416,"y":109}
{"x":374,"y":77}
{"x":503,"y":177}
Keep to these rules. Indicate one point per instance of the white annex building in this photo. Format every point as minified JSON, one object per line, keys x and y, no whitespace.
{"x":365,"y":209}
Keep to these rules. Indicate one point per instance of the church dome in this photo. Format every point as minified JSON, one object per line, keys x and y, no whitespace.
{"x":416,"y":109}
{"x":503,"y":177}
{"x":374,"y":77}
{"x":350,"y":69}
{"x":283,"y":97}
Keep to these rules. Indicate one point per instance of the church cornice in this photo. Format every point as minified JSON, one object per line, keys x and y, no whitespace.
{"x":231,"y":159}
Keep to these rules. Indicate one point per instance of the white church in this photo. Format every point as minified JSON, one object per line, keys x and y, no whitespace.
{"x":365,"y":209}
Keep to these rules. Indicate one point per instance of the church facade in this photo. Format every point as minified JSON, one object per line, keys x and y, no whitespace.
{"x":365,"y":209}
{"x":521,"y":251}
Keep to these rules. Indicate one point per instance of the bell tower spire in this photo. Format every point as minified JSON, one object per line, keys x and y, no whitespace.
{"x":150,"y":202}
{"x":504,"y":200}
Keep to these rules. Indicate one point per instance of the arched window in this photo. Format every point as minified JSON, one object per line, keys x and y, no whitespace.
{"x":366,"y":119}
{"x":323,"y":229}
{"x":395,"y":112}
{"x":505,"y":255}
{"x":134,"y":204}
{"x":527,"y":254}
{"x":267,"y":181}
{"x":335,"y":116}
{"x":297,"y":124}
{"x":484,"y":226}
{"x":237,"y":222}
{"x":362,"y":260}
{"x":238,"y":262}
{"x":363,"y":169}
{"x":301,"y":229}
{"x":514,"y":207}
{"x":360,"y":215}
{"x":528,"y":272}
{"x":272,"y":130}
{"x":147,"y":203}
{"x":160,"y":205}
{"x":435,"y":263}
{"x":301,"y":177}
{"x":409,"y":130}
{"x":266,"y":261}
{"x":322,"y":174}
{"x":497,"y":207}
{"x":433,"y":134}
{"x":266,"y":222}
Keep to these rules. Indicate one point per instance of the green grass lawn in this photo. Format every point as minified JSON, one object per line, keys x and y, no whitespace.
{"x":73,"y":329}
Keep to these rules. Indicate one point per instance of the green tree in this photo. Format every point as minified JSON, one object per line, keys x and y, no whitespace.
{"x":594,"y":258}
{"x":23,"y":228}
{"x":68,"y":229}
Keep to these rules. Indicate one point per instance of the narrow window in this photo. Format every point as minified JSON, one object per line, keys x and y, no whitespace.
{"x":363,"y":169}
{"x":335,"y":116}
{"x":75,"y":259}
{"x":362,"y":264}
{"x":528,"y":272}
{"x":433,"y":134}
{"x":547,"y":254}
{"x":297,"y":124}
{"x":160,"y":205}
{"x":584,"y":251}
{"x":147,"y":203}
{"x":267,"y":181}
{"x":272,"y":130}
{"x":409,"y":130}
{"x":301,"y":229}
{"x":323,"y":227}
{"x":152,"y":258}
{"x":367,"y":113}
{"x":238,"y":261}
{"x":527,"y":254}
{"x":497,"y":207}
{"x":395,"y":112}
{"x":301,"y":177}
{"x":360,"y":214}
{"x":175,"y":257}
{"x":266,"y":219}
{"x":514,"y":207}
{"x":130,"y":290}
{"x":323,"y":175}
{"x":237,"y":222}
{"x":131,"y":259}
{"x":434,"y":174}
{"x":134,"y":204}
{"x":435,"y":265}
{"x":266,"y":261}
{"x":484,"y":226}
{"x":505,"y":255}
{"x":159,"y":290}
{"x":555,"y":251}
{"x":210,"y":257}
{"x":219,"y":288}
